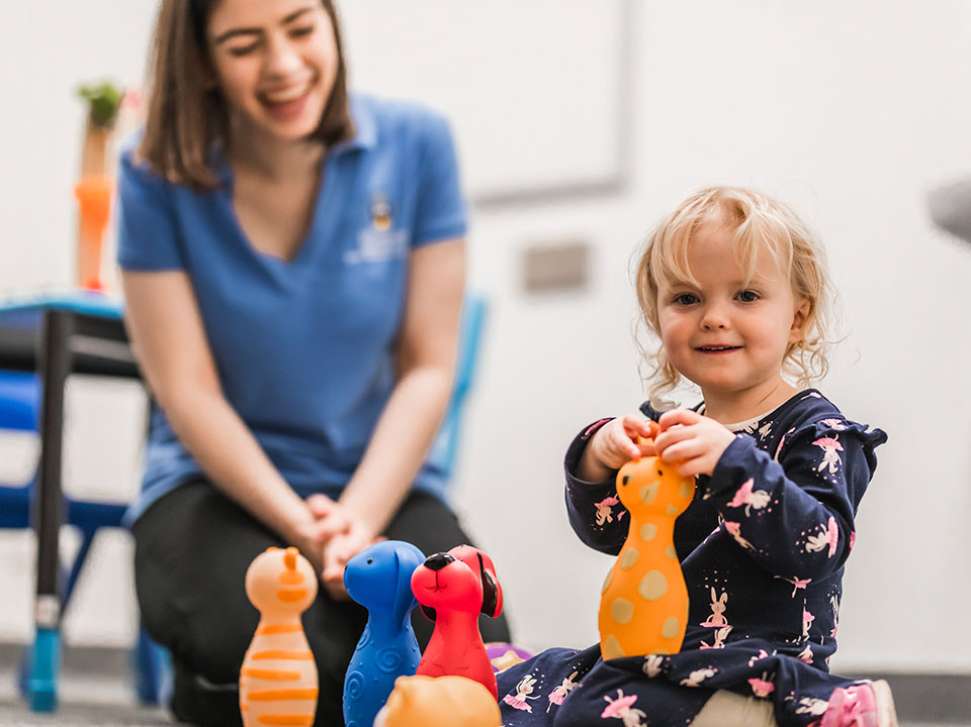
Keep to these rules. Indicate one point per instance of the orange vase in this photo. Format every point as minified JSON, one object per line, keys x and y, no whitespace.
{"x":93,"y":194}
{"x":644,"y":603}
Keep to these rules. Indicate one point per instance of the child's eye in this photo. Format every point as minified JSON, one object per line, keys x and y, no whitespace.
{"x":685,"y":299}
{"x":302,"y":31}
{"x":748,"y":296}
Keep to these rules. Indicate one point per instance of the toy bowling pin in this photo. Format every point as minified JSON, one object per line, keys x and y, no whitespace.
{"x":379,"y":579}
{"x":644,"y":603}
{"x":421,"y":701}
{"x":453,"y":588}
{"x":278,"y":680}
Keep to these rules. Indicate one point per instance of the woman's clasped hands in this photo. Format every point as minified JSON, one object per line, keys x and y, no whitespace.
{"x":335,"y":536}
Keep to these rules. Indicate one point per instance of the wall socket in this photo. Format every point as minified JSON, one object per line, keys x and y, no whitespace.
{"x":556,"y":266}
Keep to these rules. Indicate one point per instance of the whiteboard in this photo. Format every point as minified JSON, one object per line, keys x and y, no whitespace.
{"x":534,"y":90}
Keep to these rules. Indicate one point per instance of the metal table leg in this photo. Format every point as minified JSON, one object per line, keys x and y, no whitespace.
{"x":55,"y":365}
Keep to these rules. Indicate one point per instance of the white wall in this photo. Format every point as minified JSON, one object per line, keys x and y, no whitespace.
{"x":849,"y":111}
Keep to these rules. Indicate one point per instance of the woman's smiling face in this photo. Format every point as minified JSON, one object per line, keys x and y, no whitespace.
{"x":276,"y":62}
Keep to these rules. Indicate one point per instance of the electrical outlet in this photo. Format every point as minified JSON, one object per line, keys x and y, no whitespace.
{"x":556,"y":266}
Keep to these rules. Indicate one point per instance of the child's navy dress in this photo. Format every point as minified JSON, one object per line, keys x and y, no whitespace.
{"x":762,"y":547}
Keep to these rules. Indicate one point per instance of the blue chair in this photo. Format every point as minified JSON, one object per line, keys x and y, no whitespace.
{"x":20,"y":395}
{"x":444,"y":450}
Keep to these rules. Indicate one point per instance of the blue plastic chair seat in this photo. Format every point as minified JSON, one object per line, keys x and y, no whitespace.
{"x":19,"y":401}
{"x":14,"y":507}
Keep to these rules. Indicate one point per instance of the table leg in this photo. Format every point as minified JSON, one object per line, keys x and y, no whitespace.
{"x":55,"y":363}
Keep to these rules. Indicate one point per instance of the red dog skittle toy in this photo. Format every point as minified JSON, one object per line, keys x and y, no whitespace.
{"x":453,"y":588}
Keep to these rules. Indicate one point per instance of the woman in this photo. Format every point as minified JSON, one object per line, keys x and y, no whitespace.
{"x":293,"y":266}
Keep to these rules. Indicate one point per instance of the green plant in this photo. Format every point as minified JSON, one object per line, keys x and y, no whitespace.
{"x":103,"y":99}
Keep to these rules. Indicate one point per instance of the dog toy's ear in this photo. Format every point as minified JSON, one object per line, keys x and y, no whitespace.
{"x":407,"y":559}
{"x":491,"y":589}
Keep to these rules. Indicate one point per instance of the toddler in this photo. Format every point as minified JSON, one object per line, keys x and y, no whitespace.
{"x":734,"y":287}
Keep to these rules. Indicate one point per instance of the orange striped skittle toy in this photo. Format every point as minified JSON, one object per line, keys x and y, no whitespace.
{"x":278,"y":681}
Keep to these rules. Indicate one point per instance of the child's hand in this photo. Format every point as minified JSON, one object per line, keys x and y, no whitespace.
{"x":615,"y":444}
{"x":694,"y":441}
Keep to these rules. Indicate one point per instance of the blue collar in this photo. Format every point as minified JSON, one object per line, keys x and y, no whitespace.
{"x":365,"y":127}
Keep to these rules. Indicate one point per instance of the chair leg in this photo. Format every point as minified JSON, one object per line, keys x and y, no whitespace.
{"x":153,"y":671}
{"x":87,"y":538}
{"x":44,"y":664}
{"x":38,"y":671}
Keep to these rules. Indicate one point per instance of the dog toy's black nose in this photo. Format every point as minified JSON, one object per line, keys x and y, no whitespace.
{"x":438,"y":561}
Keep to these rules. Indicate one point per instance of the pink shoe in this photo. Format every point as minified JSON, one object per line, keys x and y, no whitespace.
{"x":869,"y":704}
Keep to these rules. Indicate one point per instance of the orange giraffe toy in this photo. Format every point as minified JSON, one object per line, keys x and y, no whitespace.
{"x":644,"y":603}
{"x":278,"y":681}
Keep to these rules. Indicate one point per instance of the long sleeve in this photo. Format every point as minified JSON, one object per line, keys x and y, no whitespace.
{"x":595,"y":512}
{"x":795,"y":516}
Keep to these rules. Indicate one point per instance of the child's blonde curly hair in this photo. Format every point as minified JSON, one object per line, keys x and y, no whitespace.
{"x":758,"y":223}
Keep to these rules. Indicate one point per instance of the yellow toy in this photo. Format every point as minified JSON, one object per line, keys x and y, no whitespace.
{"x":422,"y":701}
{"x":644,"y":603}
{"x":278,"y":680}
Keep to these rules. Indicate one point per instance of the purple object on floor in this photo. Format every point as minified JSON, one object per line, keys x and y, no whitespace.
{"x":502,"y":655}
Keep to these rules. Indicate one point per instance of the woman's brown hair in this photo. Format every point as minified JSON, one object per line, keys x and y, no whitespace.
{"x":187,"y":116}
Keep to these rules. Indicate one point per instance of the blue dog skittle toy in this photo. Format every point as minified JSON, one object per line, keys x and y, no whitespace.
{"x":379,"y":579}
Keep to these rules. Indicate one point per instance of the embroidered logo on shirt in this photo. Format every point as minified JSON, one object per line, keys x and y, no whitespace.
{"x":380,"y":241}
{"x":381,"y":214}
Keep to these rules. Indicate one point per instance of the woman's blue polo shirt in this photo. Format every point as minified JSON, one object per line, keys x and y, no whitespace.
{"x":303,"y":348}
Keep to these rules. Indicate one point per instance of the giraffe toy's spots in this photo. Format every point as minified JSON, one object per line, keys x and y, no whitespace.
{"x":671,"y":627}
{"x":611,"y":648}
{"x":649,"y":492}
{"x":653,"y":586}
{"x":622,"y":610}
{"x":629,"y":558}
{"x":644,"y":601}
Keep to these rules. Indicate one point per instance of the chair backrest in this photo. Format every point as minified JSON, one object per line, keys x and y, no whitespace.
{"x":444,"y":452}
{"x":19,"y":400}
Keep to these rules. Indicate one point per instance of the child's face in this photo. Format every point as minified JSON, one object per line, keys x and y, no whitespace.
{"x":275,"y":62}
{"x":724,"y":335}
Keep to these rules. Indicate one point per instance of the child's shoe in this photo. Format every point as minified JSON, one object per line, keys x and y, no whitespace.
{"x":869,"y":704}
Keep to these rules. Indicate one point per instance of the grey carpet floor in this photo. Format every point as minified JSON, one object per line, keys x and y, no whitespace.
{"x":84,"y":702}
{"x":102,"y":702}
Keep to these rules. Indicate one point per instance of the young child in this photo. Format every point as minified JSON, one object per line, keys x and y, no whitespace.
{"x":734,"y":287}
